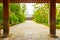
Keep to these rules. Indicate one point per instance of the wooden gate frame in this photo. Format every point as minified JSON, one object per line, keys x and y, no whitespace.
{"x":52,"y":13}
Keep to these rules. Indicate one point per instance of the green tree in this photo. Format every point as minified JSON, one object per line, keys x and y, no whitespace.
{"x":1,"y":14}
{"x":16,"y":14}
{"x":41,"y":13}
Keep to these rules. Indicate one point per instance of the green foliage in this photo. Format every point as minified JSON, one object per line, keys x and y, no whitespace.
{"x":58,"y":16}
{"x":16,"y":13}
{"x":58,"y":19}
{"x":13,"y":18}
{"x":41,"y":14}
{"x":1,"y":13}
{"x":58,"y":26}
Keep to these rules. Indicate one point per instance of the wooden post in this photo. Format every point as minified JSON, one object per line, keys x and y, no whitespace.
{"x":53,"y":18}
{"x":5,"y":18}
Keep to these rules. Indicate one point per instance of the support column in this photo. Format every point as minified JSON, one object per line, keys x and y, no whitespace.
{"x":53,"y":18}
{"x":5,"y":18}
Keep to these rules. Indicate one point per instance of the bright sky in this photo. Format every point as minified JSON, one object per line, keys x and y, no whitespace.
{"x":29,"y":8}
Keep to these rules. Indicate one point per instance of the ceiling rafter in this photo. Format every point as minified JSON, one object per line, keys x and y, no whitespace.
{"x":30,"y":1}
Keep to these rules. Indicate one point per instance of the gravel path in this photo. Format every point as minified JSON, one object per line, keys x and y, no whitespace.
{"x":30,"y":30}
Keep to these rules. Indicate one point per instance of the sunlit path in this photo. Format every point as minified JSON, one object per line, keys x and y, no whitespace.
{"x":29,"y":30}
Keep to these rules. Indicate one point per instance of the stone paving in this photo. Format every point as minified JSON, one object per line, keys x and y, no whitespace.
{"x":29,"y":30}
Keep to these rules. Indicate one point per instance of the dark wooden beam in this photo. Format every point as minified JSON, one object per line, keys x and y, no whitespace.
{"x":57,"y":1}
{"x":1,"y":1}
{"x":6,"y":17}
{"x":53,"y":17}
{"x":30,"y":1}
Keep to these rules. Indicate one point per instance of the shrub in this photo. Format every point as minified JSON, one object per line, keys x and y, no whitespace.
{"x":16,"y":14}
{"x":58,"y":26}
{"x":41,"y":14}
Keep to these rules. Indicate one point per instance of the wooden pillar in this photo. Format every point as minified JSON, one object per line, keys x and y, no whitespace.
{"x":5,"y":18}
{"x":53,"y":17}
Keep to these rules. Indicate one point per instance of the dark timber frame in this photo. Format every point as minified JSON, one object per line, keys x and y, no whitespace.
{"x":6,"y":18}
{"x":52,"y":13}
{"x":53,"y":17}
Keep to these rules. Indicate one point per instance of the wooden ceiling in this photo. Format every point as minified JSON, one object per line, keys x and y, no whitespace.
{"x":30,"y":1}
